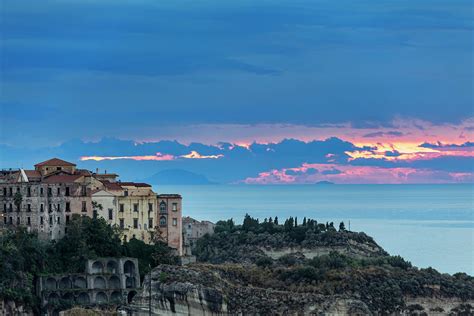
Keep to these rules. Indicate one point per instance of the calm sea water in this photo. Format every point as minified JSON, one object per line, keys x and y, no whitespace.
{"x":429,"y":225}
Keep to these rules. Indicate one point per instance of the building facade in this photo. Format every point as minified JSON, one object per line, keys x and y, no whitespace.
{"x":193,"y":230}
{"x":44,"y":199}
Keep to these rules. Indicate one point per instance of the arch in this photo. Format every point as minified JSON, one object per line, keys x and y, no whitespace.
{"x":130,"y":296}
{"x":80,"y":283}
{"x":115,"y":297}
{"x":163,"y":221}
{"x":50,"y":284}
{"x":65,"y":283}
{"x":83,"y":298}
{"x":101,"y":298}
{"x":130,"y":283}
{"x":112,"y":267}
{"x":129,"y":268}
{"x":163,"y":207}
{"x":99,"y":283}
{"x":53,"y":298}
{"x":97,"y":267}
{"x":114,"y":282}
{"x":68,"y":296}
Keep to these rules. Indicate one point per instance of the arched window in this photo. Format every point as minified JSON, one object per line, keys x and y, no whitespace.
{"x":162,"y":221}
{"x":162,"y":207}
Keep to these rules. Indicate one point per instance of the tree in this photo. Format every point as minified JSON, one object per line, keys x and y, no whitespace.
{"x":304,"y":221}
{"x":342,"y":227}
{"x":17,"y":199}
{"x":276,"y":220}
{"x":95,"y":208}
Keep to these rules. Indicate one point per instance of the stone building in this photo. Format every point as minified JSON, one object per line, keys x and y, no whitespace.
{"x":193,"y":230}
{"x":44,"y":200}
{"x":170,"y":220}
{"x":105,"y":281}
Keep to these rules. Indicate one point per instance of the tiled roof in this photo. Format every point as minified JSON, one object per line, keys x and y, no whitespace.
{"x":112,"y":186}
{"x":176,"y":196}
{"x":134,"y":184}
{"x":54,"y":162}
{"x":62,"y":178}
{"x":32,"y":174}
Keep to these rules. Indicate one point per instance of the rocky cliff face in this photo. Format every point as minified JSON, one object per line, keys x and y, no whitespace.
{"x":217,"y":290}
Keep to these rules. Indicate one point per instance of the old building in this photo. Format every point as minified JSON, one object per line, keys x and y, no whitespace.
{"x":105,"y":281}
{"x":193,"y":230}
{"x":44,"y":200}
{"x":170,"y":220}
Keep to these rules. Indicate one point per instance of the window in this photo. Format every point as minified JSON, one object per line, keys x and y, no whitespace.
{"x":111,"y":214}
{"x":83,"y":190}
{"x":41,"y":191}
{"x":41,"y":220}
{"x":121,"y":206}
{"x":175,"y":207}
{"x":67,"y":191}
{"x":18,"y":221}
{"x":59,"y":168}
{"x":162,"y":221}
{"x":84,"y":206}
{"x":5,"y":191}
{"x":28,"y":207}
{"x":59,"y":207}
{"x":135,"y":207}
{"x":150,"y":207}
{"x":150,"y":223}
{"x":28,"y":221}
{"x":122,"y":226}
{"x":11,"y":207}
{"x":11,"y":220}
{"x":58,"y":220}
{"x":59,"y":191}
{"x":11,"y":191}
{"x":125,"y":193}
{"x":162,"y":207}
{"x":135,"y":223}
{"x":67,"y":219}
{"x":28,"y":191}
{"x":144,"y":226}
{"x":50,"y":192}
{"x":4,"y":220}
{"x":4,"y":208}
{"x":175,"y":222}
{"x":50,"y":220}
{"x":18,"y":207}
{"x":18,"y":189}
{"x":41,"y":207}
{"x":68,"y":206}
{"x":50,"y":208}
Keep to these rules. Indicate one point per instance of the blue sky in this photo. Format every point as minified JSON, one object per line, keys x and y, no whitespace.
{"x":235,"y":71}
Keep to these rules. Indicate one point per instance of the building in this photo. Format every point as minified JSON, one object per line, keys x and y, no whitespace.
{"x":105,"y":281}
{"x":193,"y":230}
{"x":44,"y":200}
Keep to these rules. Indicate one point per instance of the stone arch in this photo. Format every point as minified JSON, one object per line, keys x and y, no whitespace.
{"x":83,"y":298}
{"x":112,"y":267}
{"x":68,"y":296}
{"x":50,"y":284}
{"x":99,"y":283}
{"x":114,"y":282}
{"x":101,"y":298}
{"x":130,"y":283}
{"x":97,"y":267}
{"x":115,"y":297}
{"x":130,"y":296}
{"x":65,"y":283}
{"x":80,"y":283}
{"x":53,"y":298}
{"x":129,"y":268}
{"x":163,"y":207}
{"x":163,"y":221}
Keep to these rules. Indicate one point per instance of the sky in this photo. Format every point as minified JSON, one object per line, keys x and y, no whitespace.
{"x":256,"y":92}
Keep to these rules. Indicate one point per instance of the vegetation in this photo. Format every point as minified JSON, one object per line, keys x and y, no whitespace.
{"x":379,"y":280}
{"x":23,"y":256}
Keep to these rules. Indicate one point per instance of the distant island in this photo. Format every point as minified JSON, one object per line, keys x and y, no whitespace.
{"x":178,"y":177}
{"x":324,"y":182}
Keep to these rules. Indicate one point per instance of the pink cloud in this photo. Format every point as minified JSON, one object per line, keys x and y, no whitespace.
{"x":157,"y":157}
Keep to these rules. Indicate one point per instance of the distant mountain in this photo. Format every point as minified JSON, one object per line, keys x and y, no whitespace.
{"x":324,"y":182}
{"x":177,"y":177}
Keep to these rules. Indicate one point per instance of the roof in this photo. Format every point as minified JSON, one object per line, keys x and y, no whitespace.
{"x":32,"y":174}
{"x":133,"y":184}
{"x":55,"y":162}
{"x":176,"y":196}
{"x":112,"y":185}
{"x":62,"y":178}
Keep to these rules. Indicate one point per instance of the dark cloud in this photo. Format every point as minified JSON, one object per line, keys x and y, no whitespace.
{"x":440,"y":145}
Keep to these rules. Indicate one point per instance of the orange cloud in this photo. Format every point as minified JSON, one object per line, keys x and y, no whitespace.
{"x":195,"y":155}
{"x":156,"y":157}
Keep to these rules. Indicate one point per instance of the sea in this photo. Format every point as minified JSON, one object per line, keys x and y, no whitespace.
{"x":428,"y":225}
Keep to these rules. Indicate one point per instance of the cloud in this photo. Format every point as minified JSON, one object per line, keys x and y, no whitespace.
{"x":383,"y":134}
